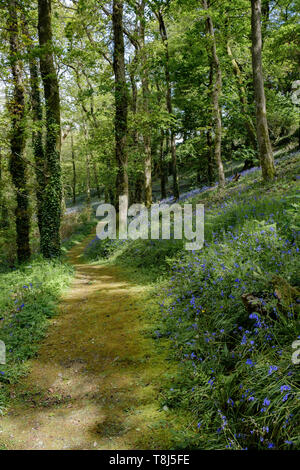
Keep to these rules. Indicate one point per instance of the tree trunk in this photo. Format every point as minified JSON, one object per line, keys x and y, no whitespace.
{"x":162,"y":167}
{"x":137,"y":191}
{"x":3,"y":207}
{"x":265,"y":11}
{"x":264,"y":144}
{"x":164,"y":37}
{"x":37,"y":134}
{"x":217,"y":88}
{"x":147,"y":130}
{"x":87,"y":166}
{"x":74,"y":170}
{"x":96,"y":179}
{"x":51,"y":205}
{"x":17,"y":165}
{"x":121,"y":103}
{"x":210,"y":160}
{"x":88,"y":180}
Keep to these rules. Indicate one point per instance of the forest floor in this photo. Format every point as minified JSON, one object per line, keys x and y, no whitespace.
{"x":95,"y":381}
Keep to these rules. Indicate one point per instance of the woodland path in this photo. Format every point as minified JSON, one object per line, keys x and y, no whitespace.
{"x":95,"y":381}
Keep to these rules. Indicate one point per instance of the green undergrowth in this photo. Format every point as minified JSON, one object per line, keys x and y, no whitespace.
{"x":81,"y":230}
{"x":29,"y":297}
{"x":231,"y":312}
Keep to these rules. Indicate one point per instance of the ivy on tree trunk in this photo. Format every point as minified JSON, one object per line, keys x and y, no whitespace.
{"x":52,"y":195}
{"x":37,"y":133}
{"x":17,"y":165}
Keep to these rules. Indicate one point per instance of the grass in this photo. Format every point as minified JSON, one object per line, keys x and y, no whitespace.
{"x":228,"y":313}
{"x":76,"y":227}
{"x":29,"y":296}
{"x":231,"y":312}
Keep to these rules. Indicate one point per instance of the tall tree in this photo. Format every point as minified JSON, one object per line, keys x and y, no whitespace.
{"x":145,"y":91}
{"x":73,"y":169}
{"x":37,"y":116}
{"x":121,"y":102}
{"x":164,"y":37}
{"x":264,"y":144}
{"x":87,"y":164}
{"x":52,"y":195}
{"x":211,"y":167}
{"x":137,"y":191}
{"x":217,"y":88}
{"x":17,"y":164}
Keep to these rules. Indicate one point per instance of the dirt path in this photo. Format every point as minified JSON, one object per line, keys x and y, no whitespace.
{"x":95,"y":381}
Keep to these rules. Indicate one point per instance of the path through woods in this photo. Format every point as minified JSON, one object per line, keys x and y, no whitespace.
{"x":95,"y":381}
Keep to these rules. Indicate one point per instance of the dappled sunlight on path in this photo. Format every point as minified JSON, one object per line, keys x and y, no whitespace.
{"x":95,"y":381}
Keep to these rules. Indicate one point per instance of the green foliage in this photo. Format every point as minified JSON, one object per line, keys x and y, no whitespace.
{"x":75,"y":227}
{"x":236,"y":380}
{"x":29,"y":297}
{"x":148,"y":256}
{"x":236,"y":375}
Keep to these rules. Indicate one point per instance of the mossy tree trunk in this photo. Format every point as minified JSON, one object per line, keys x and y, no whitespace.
{"x":121,"y":103}
{"x":17,"y":164}
{"x":4,"y":224}
{"x":37,"y":133}
{"x":52,"y":194}
{"x":264,"y":144}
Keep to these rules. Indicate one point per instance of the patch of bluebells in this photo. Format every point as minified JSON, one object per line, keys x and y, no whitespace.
{"x":213,"y":334}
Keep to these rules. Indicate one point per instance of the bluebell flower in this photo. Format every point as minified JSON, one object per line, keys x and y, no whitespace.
{"x":250,"y":363}
{"x":272,"y":369}
{"x":285,"y":388}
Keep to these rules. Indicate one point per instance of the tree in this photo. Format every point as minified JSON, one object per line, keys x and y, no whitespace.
{"x":17,"y":164}
{"x":217,"y":88}
{"x":52,"y":194}
{"x":121,"y":102}
{"x":264,"y":144}
{"x":164,"y":37}
{"x":147,"y":132}
{"x":37,"y":116}
{"x":73,"y":169}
